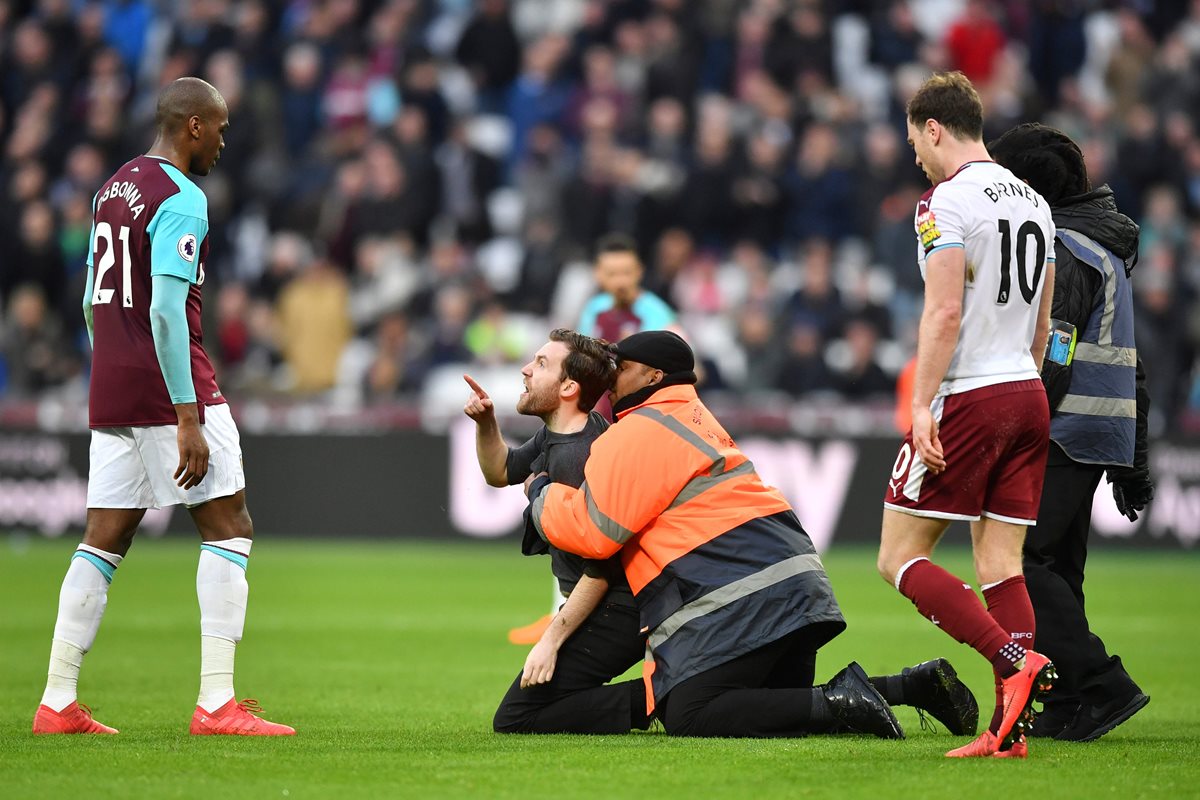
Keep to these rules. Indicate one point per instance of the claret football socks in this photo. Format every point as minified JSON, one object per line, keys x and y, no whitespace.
{"x":953,"y":606}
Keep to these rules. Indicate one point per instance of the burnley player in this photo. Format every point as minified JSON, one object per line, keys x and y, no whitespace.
{"x":980,"y":422}
{"x":161,"y":431}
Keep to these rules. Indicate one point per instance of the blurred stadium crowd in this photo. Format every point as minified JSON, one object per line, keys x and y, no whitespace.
{"x":409,"y":185}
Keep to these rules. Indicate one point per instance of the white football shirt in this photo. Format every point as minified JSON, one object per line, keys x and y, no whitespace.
{"x":1008,"y":235}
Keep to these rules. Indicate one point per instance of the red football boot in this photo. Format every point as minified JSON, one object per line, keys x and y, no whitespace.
{"x":236,"y":719}
{"x":1019,"y":749}
{"x":75,"y":718}
{"x":983,"y":746}
{"x":1019,"y":693}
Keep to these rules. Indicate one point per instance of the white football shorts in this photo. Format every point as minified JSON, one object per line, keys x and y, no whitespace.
{"x":134,"y":467}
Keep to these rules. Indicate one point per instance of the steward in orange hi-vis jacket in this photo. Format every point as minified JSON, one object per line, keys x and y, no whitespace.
{"x":728,"y":585}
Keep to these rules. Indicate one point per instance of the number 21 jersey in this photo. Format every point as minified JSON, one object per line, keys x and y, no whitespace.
{"x":148,"y":219}
{"x":1007,"y":235}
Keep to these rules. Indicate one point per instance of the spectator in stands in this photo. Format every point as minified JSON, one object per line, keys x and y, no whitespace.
{"x":387,"y":125}
{"x":314,"y":325}
{"x":419,"y":89}
{"x":758,"y":191}
{"x":817,"y":302}
{"x":453,"y":306}
{"x":493,"y":338}
{"x":765,"y":354}
{"x":37,"y":355}
{"x":468,"y":178}
{"x":391,"y":372}
{"x":301,"y":97}
{"x":36,"y":258}
{"x":537,"y":96}
{"x":802,"y":370}
{"x":820,"y":189}
{"x":895,"y":40}
{"x":975,"y":41}
{"x":491,"y":53}
{"x":860,"y":377}
{"x":541,"y":265}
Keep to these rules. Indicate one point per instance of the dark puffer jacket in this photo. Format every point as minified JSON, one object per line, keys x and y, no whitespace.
{"x":1095,"y":215}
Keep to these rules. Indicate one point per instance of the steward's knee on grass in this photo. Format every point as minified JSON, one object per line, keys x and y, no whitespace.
{"x":676,"y":721}
{"x":511,"y":720}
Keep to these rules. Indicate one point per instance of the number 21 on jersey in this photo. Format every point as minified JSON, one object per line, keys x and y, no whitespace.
{"x":100,"y":295}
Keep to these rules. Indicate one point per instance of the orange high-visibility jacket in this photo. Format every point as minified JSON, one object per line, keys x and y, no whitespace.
{"x":717,"y":560}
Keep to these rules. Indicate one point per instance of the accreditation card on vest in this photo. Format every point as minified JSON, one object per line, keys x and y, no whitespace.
{"x":1007,"y":235}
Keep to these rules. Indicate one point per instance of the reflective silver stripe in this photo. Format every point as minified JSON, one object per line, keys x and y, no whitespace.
{"x":683,"y":431}
{"x":535,"y":512}
{"x":702,"y":483}
{"x":608,"y":526}
{"x":731,"y":592}
{"x":1098,"y":406}
{"x":717,"y":472}
{"x":1110,"y":284}
{"x":1113,"y":356}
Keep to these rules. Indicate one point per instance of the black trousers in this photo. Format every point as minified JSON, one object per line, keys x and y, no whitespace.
{"x":1054,"y":559}
{"x":579,"y":699}
{"x":764,"y":693}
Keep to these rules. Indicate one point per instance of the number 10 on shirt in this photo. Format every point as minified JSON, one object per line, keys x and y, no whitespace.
{"x":1028,"y":229}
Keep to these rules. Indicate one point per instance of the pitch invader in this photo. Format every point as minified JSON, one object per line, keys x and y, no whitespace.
{"x":980,"y":421}
{"x":162,"y":433}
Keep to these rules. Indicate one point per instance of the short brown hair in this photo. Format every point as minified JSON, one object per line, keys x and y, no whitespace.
{"x":589,"y":363}
{"x":951,"y":99}
{"x":615,"y":243}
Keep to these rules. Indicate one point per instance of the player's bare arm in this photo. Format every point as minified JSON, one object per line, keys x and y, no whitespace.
{"x":539,"y":665}
{"x":490,"y":447}
{"x":936,"y":340}
{"x":1041,"y":333}
{"x":193,"y":447}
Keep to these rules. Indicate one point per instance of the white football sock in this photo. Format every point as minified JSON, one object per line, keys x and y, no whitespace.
{"x":81,"y":603}
{"x":222,"y":590}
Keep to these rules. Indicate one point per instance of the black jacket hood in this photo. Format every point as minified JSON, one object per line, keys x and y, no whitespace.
{"x":1095,"y":215}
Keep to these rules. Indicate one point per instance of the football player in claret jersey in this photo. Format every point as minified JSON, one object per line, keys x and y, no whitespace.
{"x":161,"y":431}
{"x":980,"y":422}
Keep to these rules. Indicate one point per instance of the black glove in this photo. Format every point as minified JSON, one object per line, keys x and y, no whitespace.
{"x":1132,"y":496}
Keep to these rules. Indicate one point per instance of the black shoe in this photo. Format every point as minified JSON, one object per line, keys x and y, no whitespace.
{"x":856,"y":704}
{"x":1053,"y":720}
{"x":934,"y":687}
{"x":1092,"y":722}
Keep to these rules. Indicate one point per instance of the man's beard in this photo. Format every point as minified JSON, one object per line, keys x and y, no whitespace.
{"x":537,"y":404}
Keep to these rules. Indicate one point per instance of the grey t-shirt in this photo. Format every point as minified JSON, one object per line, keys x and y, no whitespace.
{"x":562,"y":456}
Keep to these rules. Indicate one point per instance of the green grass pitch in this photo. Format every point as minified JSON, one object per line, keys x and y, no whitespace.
{"x":390,"y":658}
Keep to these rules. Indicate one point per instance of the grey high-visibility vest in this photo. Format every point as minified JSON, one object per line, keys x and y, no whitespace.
{"x":1095,"y":423}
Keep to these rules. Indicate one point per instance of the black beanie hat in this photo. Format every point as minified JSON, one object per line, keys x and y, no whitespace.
{"x":663,"y":350}
{"x":1045,"y":158}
